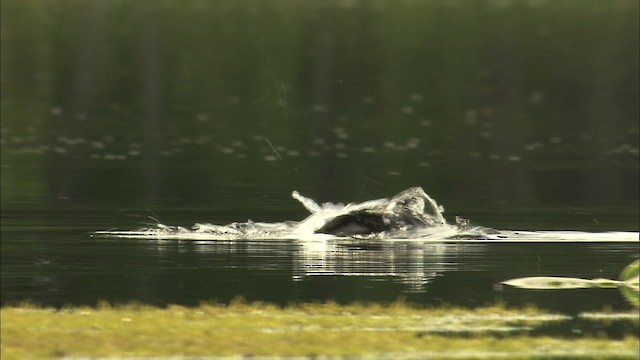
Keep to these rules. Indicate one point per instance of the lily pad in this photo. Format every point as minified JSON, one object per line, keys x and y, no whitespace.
{"x":631,"y":288}
{"x":628,"y":283}
{"x":550,"y":282}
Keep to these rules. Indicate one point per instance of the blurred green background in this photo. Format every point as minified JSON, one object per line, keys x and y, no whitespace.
{"x":228,"y":106}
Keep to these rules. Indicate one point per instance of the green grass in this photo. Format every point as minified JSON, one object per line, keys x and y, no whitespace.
{"x":396,"y":330}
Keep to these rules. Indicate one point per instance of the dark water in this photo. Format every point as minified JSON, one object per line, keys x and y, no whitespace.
{"x":49,"y":257}
{"x":517,"y":115}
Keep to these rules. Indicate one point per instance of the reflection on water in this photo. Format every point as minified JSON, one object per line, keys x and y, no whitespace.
{"x":412,"y":265}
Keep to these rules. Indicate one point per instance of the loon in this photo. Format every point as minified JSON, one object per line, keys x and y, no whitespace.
{"x":404,"y":211}
{"x":410,"y":213}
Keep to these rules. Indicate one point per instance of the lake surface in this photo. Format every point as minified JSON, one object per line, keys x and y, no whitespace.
{"x":516,"y":115}
{"x":57,"y":262}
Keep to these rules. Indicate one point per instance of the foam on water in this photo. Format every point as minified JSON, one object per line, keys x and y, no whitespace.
{"x":411,"y":215}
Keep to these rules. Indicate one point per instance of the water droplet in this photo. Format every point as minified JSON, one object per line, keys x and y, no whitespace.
{"x":202,"y":117}
{"x":232,"y":100}
{"x":470,"y":117}
{"x":317,"y":108}
{"x":407,"y":109}
{"x":536,"y":97}
{"x":413,"y":143}
{"x":202,"y":139}
{"x":534,"y":145}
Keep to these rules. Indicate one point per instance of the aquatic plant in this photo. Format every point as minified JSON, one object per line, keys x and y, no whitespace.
{"x":628,"y":283}
{"x":330,"y":330}
{"x":630,"y":276}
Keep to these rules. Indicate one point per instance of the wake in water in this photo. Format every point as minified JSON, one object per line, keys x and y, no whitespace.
{"x":412,"y":214}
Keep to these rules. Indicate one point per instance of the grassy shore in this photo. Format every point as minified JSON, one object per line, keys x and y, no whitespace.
{"x":330,"y":330}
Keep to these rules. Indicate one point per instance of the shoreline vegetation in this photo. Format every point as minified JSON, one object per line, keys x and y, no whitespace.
{"x":327,"y":330}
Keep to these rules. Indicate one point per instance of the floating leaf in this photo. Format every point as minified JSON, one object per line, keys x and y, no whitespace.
{"x":606,"y":283}
{"x":628,"y":284}
{"x":631,"y":272}
{"x":631,"y":295}
{"x":550,"y":282}
{"x":631,"y":288}
{"x":556,"y":282}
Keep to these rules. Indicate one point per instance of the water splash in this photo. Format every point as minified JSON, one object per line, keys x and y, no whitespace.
{"x":410,"y":215}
